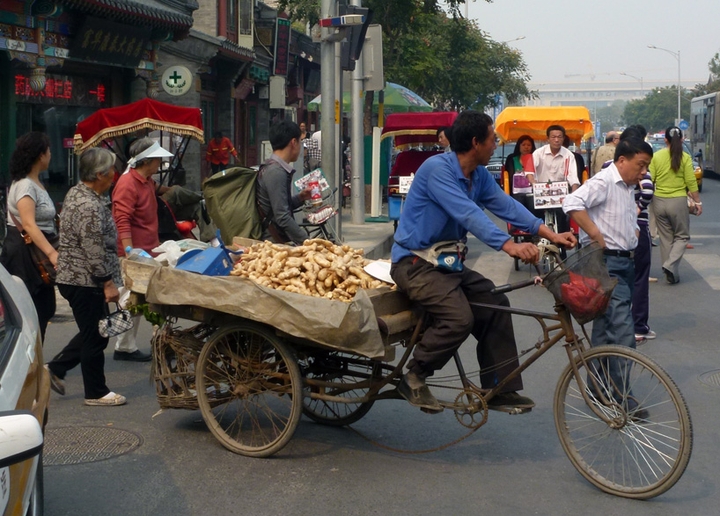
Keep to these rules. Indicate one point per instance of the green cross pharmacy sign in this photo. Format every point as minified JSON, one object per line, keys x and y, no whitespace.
{"x":177,"y":80}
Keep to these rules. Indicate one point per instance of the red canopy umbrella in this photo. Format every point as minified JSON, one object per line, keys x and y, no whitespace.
{"x":143,"y":114}
{"x":410,"y":128}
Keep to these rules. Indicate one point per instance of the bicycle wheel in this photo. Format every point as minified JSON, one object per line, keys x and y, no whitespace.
{"x":646,"y":446}
{"x":249,"y":390}
{"x":342,"y":370}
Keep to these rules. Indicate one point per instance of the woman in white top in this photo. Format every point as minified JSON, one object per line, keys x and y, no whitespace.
{"x":30,"y":207}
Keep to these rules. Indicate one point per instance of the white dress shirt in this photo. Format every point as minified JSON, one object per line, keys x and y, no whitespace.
{"x":610,"y":203}
{"x":558,"y":167}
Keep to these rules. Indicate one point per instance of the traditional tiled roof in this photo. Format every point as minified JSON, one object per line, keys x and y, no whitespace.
{"x":229,"y":47}
{"x":153,"y":12}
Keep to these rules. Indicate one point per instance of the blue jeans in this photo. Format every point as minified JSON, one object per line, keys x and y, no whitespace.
{"x":616,"y":325}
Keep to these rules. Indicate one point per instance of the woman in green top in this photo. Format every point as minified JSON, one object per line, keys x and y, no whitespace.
{"x":672,"y":172}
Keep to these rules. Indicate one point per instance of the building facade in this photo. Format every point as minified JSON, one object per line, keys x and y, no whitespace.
{"x":61,"y":61}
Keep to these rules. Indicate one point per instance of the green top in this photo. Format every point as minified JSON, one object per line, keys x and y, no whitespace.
{"x":669,"y":183}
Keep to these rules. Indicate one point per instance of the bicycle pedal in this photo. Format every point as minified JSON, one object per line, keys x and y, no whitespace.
{"x":513,"y":411}
{"x":431,"y":411}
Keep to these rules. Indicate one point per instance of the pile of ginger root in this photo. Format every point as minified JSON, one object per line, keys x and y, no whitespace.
{"x":317,"y":268}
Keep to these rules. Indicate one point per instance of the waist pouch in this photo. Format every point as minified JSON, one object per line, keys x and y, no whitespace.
{"x":448,"y":255}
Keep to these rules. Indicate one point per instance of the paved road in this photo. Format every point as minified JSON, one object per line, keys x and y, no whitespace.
{"x":513,"y":465}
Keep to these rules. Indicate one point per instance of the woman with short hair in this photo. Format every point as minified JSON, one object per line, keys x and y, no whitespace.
{"x":31,"y":208}
{"x":88,"y":275}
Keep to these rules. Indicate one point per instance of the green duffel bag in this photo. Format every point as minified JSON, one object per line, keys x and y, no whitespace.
{"x":230,"y":200}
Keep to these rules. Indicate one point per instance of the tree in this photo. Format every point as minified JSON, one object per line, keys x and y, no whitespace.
{"x":713,"y":83}
{"x":610,"y":117}
{"x":657,"y":111}
{"x":447,"y":60}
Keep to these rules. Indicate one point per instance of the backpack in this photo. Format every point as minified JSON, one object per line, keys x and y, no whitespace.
{"x":230,"y":200}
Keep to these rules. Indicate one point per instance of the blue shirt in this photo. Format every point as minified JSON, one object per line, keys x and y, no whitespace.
{"x":443,"y":204}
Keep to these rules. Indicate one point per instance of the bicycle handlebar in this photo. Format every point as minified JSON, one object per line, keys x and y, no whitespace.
{"x":509,"y":287}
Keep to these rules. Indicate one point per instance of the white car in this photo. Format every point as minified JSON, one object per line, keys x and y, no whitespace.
{"x":24,"y":395}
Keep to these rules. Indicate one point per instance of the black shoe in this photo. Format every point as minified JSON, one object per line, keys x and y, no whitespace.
{"x":135,"y":356}
{"x":56,"y":382}
{"x":420,"y":397}
{"x":670,"y":277}
{"x":510,"y":400}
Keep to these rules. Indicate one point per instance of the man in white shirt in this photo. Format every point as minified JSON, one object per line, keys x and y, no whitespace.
{"x":604,"y":208}
{"x":553,"y":162}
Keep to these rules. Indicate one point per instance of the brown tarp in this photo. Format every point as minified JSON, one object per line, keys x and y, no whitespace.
{"x":350,"y":327}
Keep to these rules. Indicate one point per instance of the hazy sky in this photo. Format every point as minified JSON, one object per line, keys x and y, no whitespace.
{"x":604,"y":38}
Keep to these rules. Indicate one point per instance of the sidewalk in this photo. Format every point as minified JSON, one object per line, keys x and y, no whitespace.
{"x":376,"y":238}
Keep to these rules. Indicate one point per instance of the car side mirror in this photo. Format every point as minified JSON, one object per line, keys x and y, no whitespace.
{"x":22,"y":437}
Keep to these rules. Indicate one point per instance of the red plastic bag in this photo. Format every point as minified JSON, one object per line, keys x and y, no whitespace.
{"x":583,"y":296}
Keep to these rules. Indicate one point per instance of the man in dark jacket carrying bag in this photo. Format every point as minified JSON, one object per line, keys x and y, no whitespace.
{"x":275,"y":199}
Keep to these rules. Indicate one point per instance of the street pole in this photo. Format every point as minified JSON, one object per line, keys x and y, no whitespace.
{"x":327,"y":90}
{"x":642,"y":90}
{"x":339,"y":173}
{"x":357,"y":142}
{"x":676,"y":55}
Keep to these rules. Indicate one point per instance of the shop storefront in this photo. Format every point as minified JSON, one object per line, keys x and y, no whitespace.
{"x":61,"y":61}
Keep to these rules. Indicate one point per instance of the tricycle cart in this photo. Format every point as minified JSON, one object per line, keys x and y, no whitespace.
{"x":261,"y":358}
{"x":414,"y":140}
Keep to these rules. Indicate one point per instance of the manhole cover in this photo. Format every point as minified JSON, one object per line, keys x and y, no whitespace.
{"x":711,"y":378}
{"x":77,"y":445}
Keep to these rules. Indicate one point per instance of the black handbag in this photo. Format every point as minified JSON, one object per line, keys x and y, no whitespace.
{"x":115,"y":323}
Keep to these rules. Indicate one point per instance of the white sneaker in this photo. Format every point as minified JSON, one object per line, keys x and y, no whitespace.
{"x":650,"y":335}
{"x":109,"y":400}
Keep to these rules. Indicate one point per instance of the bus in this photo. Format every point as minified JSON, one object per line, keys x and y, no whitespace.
{"x":705,"y":130}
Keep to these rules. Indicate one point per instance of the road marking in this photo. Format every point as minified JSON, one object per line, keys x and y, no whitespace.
{"x":708,"y":266}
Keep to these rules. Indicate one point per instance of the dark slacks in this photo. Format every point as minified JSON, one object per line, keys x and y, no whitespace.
{"x":615,"y":326}
{"x":215,"y":168}
{"x":87,"y":347}
{"x":641,"y":294}
{"x":445,"y":297}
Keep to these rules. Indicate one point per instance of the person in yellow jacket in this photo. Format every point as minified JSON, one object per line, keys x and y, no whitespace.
{"x":218,"y":152}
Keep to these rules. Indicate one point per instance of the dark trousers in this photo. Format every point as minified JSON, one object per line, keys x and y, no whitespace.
{"x":215,"y":168}
{"x":87,"y":347}
{"x":45,"y":304}
{"x":445,"y":297}
{"x":641,"y":294}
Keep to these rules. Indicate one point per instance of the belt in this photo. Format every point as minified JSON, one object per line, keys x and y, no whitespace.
{"x":621,"y":254}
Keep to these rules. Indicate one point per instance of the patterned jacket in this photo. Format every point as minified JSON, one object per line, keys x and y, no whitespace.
{"x":87,"y":256}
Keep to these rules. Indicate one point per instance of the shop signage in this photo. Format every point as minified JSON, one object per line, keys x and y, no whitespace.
{"x":105,"y":41}
{"x":282,"y":46}
{"x":177,"y":80}
{"x":62,"y":89}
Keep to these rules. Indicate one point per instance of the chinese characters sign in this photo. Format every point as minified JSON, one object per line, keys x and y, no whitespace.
{"x":109,"y":42}
{"x":282,"y":46}
{"x":62,"y":89}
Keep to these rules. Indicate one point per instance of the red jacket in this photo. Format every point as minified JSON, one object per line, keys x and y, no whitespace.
{"x":219,"y":153}
{"x":134,"y":208}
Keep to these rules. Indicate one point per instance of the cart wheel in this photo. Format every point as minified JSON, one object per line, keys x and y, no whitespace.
{"x":249,"y":389}
{"x":341,"y":371}
{"x":645,"y":447}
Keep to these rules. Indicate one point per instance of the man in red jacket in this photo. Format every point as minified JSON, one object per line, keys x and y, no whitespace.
{"x":218,"y":152}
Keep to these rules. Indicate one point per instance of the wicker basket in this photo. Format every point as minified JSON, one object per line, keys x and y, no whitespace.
{"x":582,"y":283}
{"x":175,"y":353}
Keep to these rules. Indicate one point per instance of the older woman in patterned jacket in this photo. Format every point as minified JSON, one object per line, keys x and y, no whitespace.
{"x":88,"y":275}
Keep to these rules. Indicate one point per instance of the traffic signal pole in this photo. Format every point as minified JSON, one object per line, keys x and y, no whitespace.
{"x":357,"y":143}
{"x":329,"y":107}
